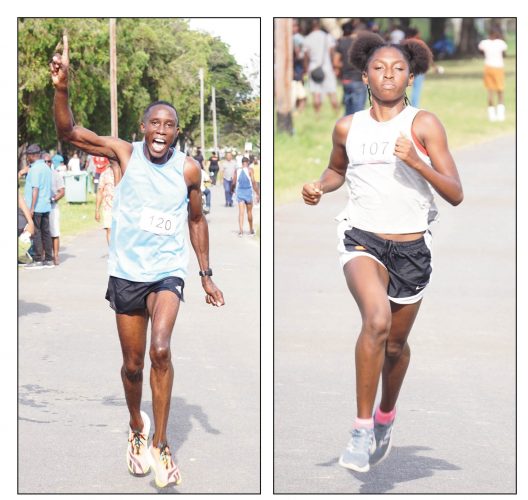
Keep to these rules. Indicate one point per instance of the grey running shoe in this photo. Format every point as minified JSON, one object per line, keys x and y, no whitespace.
{"x":383,"y":435}
{"x":358,"y":450}
{"x":36,"y":264}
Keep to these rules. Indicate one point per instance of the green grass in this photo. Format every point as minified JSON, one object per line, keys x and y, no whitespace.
{"x":457,"y":97}
{"x":77,"y":217}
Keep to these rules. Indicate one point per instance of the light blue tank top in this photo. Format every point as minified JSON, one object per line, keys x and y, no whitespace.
{"x":148,"y":241}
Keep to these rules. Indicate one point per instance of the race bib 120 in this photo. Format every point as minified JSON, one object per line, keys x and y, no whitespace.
{"x":157,"y":222}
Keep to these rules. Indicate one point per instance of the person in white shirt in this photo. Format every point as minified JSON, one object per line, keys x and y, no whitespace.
{"x":393,"y":157}
{"x":74,"y":165}
{"x":494,"y":48}
{"x":319,"y":53}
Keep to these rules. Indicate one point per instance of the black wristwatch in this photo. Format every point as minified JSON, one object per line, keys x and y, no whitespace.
{"x":207,"y":272}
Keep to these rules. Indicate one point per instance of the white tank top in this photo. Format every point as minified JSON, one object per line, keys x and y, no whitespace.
{"x":148,"y":241}
{"x":385,"y":194}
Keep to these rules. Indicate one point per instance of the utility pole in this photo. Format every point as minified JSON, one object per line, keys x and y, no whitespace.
{"x":283,"y":73}
{"x":113,"y":79}
{"x":202,"y":127}
{"x":213,"y":107}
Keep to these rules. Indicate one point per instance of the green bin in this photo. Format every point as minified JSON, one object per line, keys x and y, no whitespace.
{"x":76,"y":187}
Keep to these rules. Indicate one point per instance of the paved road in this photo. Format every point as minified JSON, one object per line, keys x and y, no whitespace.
{"x":456,"y":422}
{"x":72,"y":413}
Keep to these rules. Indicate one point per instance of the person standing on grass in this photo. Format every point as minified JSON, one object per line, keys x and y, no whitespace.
{"x":159,"y":194}
{"x":494,"y":48}
{"x":392,"y":157}
{"x":57,"y":192}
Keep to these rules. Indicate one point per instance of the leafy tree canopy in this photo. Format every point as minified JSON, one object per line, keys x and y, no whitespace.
{"x":156,"y":59}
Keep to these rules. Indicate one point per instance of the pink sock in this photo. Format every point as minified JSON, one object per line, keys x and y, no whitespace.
{"x":385,"y":418}
{"x":364,"y":423}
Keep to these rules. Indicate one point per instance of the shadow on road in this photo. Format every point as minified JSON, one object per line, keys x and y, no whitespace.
{"x":403,"y":464}
{"x":25,"y":308}
{"x":180,"y":419}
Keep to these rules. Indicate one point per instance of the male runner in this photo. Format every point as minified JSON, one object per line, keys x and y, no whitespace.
{"x":148,"y":258}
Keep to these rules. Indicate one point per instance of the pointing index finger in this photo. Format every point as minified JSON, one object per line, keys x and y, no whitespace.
{"x":65,"y":50}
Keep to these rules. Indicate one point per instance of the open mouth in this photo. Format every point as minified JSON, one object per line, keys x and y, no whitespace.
{"x":158,"y":145}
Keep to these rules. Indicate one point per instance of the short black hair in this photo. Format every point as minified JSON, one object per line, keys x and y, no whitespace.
{"x":157,"y":103}
{"x":416,"y":52}
{"x":347,"y":28}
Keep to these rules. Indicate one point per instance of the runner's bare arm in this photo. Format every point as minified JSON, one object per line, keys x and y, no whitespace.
{"x":198,"y":230}
{"x":443,"y":177}
{"x":333,"y":176}
{"x":67,"y":130}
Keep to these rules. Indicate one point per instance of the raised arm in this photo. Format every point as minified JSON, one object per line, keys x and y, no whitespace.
{"x":333,"y":176}
{"x":198,"y":230}
{"x":67,"y":130}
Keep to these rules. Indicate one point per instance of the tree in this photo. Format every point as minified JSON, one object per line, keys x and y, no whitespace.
{"x":468,"y":45}
{"x":157,"y":59}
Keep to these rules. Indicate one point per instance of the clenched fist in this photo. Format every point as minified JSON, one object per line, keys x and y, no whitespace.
{"x":404,"y":150}
{"x":312,"y":193}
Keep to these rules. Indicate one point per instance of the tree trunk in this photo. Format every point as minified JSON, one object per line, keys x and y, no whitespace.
{"x":438,"y":25}
{"x":283,"y":73}
{"x":405,"y":22}
{"x":468,"y":45}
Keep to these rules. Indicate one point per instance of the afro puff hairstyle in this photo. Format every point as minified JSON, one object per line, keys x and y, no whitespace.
{"x":416,"y":52}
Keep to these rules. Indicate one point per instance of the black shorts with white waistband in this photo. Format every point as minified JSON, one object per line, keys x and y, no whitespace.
{"x":129,"y":296}
{"x":409,"y":263}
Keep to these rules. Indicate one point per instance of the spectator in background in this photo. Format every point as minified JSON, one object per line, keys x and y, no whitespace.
{"x":101,"y":164}
{"x":228,"y":168}
{"x":245,"y":187}
{"x":205,"y":182}
{"x":494,"y":48}
{"x":74,"y":165}
{"x":61,"y":168}
{"x":354,"y":90}
{"x":298,"y":90}
{"x":319,"y":51}
{"x":57,"y":159}
{"x":57,"y":192}
{"x":105,"y":198}
{"x":199,"y":157}
{"x":37,"y":195}
{"x":214,"y":167}
{"x":256,"y":172}
{"x":25,"y":229}
{"x":396,"y":34}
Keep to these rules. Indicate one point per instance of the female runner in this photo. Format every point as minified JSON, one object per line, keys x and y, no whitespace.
{"x":392,"y":157}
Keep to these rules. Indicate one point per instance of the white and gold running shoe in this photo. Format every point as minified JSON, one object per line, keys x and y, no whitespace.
{"x":165,"y":469}
{"x":137,"y":451}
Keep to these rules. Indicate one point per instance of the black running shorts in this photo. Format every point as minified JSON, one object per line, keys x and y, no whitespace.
{"x":408,"y":263}
{"x":127,"y":296}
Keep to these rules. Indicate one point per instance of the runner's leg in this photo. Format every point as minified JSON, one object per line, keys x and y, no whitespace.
{"x":397,"y":353}
{"x":132,"y":329}
{"x":162,"y":308}
{"x":367,"y":281}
